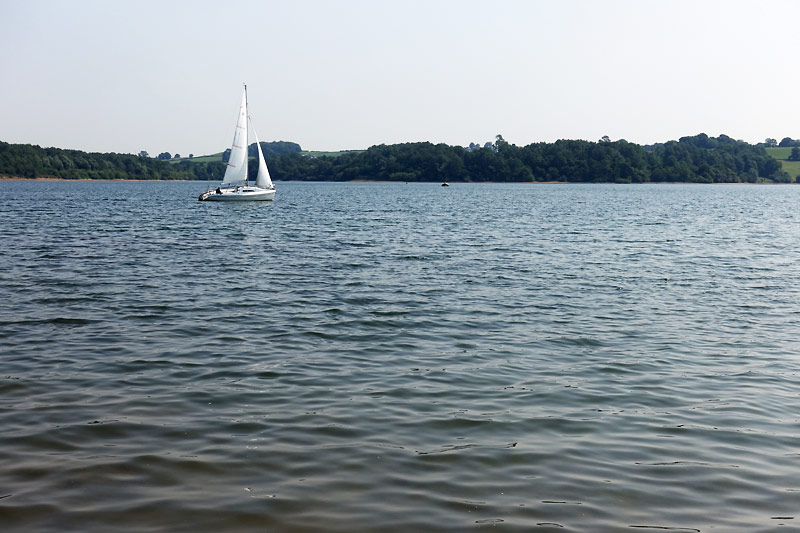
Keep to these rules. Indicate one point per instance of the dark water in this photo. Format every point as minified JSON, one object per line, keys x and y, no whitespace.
{"x":391,"y":357}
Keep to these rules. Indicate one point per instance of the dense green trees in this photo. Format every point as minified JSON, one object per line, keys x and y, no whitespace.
{"x":269,"y":149}
{"x":691,"y":159}
{"x":698,"y":158}
{"x":788,"y":142}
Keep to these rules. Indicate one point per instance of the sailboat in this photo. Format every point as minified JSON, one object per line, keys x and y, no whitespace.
{"x":235,"y":186}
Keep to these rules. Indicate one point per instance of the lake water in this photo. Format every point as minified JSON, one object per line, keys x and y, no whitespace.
{"x":392,"y":357}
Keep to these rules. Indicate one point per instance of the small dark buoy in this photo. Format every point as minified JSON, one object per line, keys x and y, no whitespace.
{"x":445,"y":184}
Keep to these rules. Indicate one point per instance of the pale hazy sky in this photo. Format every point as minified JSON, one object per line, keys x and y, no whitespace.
{"x":124,"y":76}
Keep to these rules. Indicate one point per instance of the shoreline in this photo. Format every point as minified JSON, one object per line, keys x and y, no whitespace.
{"x":18,"y":178}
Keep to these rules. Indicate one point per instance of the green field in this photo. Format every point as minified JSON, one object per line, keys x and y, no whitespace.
{"x":200,"y":159}
{"x":790,"y":167}
{"x":207,"y":158}
{"x":779,"y":153}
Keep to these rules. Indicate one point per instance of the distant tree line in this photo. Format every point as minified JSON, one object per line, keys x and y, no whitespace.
{"x":786,"y":142}
{"x":691,"y":159}
{"x":699,"y":158}
{"x":30,"y":161}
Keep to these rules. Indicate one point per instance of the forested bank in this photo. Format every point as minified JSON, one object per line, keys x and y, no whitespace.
{"x":699,"y":159}
{"x":30,"y":161}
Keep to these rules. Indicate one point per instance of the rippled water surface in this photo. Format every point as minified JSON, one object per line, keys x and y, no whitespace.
{"x":392,"y":357}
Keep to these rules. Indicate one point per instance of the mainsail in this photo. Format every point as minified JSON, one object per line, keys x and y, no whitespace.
{"x":237,"y":164}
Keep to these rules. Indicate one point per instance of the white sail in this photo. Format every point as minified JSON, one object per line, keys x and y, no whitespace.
{"x":262,"y":180}
{"x":237,"y":164}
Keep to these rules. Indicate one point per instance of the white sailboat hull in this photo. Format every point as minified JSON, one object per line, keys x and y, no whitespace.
{"x":238,"y":194}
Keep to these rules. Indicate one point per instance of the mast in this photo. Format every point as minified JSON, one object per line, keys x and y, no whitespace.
{"x":246,"y":131}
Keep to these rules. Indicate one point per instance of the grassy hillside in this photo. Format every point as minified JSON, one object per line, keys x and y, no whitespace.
{"x":779,"y":153}
{"x":202,"y":158}
{"x":790,"y":167}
